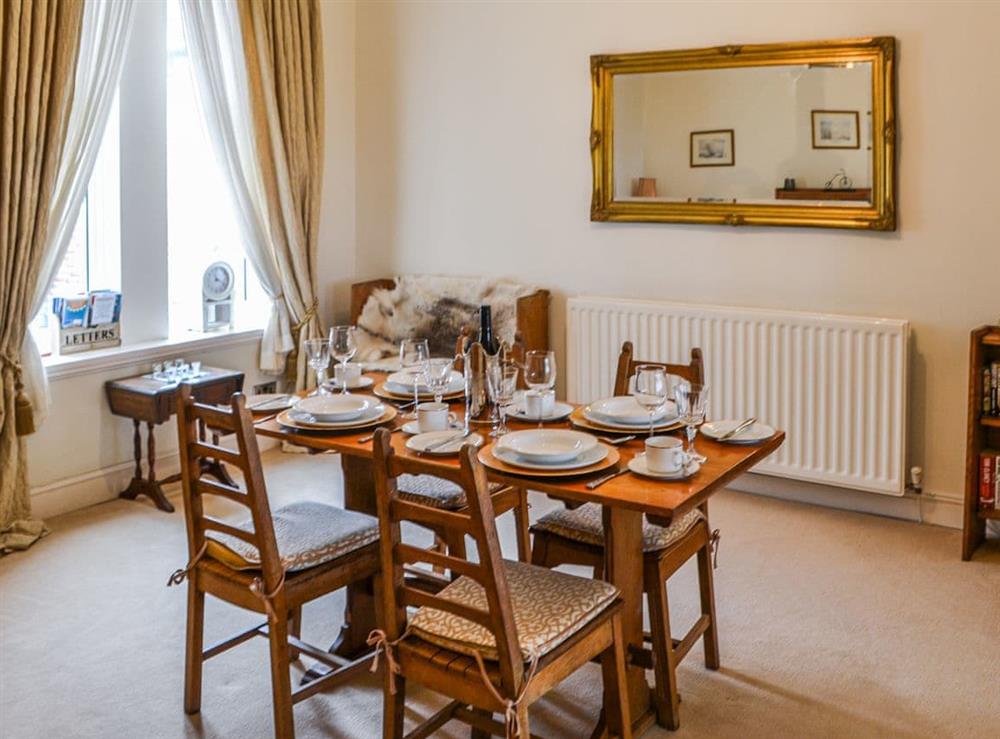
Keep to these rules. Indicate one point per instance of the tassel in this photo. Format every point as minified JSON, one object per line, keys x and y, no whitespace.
{"x":24,"y":414}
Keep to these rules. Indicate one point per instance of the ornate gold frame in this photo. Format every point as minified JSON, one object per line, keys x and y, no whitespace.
{"x":879,"y":216}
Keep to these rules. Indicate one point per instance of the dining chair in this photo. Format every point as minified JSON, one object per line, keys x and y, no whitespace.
{"x":270,"y":563}
{"x":576,"y":536}
{"x":498,"y":637}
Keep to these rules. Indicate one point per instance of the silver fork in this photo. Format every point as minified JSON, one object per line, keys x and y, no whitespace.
{"x":617,"y":440}
{"x":369,"y":437}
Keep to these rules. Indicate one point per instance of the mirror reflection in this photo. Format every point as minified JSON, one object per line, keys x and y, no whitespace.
{"x":765,"y":134}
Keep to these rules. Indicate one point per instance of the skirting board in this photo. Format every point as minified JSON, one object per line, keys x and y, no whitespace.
{"x":925,"y":508}
{"x":101,"y":485}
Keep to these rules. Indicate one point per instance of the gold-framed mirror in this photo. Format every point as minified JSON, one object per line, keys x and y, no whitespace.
{"x":790,"y":134}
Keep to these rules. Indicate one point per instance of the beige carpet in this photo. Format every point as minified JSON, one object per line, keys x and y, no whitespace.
{"x":832,"y":624}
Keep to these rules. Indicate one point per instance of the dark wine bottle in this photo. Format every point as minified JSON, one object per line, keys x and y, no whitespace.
{"x":486,"y":337}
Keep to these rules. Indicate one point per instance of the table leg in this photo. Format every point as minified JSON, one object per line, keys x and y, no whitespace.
{"x":623,"y":569}
{"x":148,"y":486}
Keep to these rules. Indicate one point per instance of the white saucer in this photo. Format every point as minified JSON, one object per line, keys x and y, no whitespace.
{"x":753,"y":435}
{"x":359,"y":384}
{"x":413,"y":428}
{"x":420,"y":442}
{"x":638,"y":465}
{"x":589,"y":457}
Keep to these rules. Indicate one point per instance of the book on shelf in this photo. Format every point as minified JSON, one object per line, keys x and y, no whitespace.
{"x":989,"y":479}
{"x":991,"y":389}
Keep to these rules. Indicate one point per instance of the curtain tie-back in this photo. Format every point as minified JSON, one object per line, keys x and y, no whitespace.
{"x":309,"y":315}
{"x":24,"y":415}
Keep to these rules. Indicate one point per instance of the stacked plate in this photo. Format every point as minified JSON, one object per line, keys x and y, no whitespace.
{"x":401,"y":383}
{"x":549,"y":449}
{"x":623,"y":413}
{"x":336,"y":412}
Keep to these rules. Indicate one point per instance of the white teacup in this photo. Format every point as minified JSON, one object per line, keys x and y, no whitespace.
{"x":434,"y":417}
{"x":665,"y":455}
{"x":539,"y":403}
{"x":350,"y":372}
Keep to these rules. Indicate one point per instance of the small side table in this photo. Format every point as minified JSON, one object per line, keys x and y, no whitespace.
{"x":153,"y":402}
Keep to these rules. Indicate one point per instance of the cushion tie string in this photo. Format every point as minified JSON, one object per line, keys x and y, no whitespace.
{"x":512,"y":726}
{"x":380,"y":640}
{"x":714,"y":543}
{"x":179,"y":576}
{"x":257,"y":588}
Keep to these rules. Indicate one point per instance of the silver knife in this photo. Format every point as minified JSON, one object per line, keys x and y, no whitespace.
{"x":610,"y":476}
{"x":265,"y":403}
{"x":449,"y":440}
{"x":745,"y":425}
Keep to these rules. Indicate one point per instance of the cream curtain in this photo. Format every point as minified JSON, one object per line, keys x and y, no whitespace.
{"x":282,"y":43}
{"x":212,"y":32}
{"x":103,"y":40}
{"x":39,"y":40}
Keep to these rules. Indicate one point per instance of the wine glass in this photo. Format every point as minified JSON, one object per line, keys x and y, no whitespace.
{"x":502,"y":384}
{"x":438,"y":372}
{"x":318,"y":353}
{"x":343,"y":347}
{"x":413,"y":356}
{"x":692,"y":405}
{"x":540,"y":373}
{"x":651,"y":389}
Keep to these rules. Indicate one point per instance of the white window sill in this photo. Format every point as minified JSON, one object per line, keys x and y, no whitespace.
{"x":58,"y":366}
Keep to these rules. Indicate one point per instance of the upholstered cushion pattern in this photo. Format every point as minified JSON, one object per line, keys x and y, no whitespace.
{"x":307,"y":533}
{"x":584,"y":524}
{"x":435,"y":492}
{"x":548,"y":608}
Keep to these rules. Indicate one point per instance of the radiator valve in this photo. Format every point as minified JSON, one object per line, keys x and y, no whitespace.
{"x":917,"y":479}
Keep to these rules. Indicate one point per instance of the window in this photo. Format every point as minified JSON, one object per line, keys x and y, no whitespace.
{"x":157,"y":163}
{"x":202,"y":224}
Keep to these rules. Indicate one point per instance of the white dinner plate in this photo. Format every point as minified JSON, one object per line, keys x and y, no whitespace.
{"x":752,"y":435}
{"x":270,"y":402}
{"x":625,"y":409}
{"x":359,"y":384}
{"x":369,"y":414}
{"x":413,"y":427}
{"x":547,"y":446}
{"x":421,"y":442}
{"x":587,"y":458}
{"x":559,"y":412}
{"x":402,"y":382}
{"x":326,"y":408}
{"x":638,"y":465}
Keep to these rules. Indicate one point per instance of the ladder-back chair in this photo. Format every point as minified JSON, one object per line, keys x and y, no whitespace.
{"x":498,"y":637}
{"x":270,"y":563}
{"x":693,"y":372}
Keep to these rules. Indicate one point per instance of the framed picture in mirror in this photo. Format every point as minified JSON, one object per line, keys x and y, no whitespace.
{"x":835,"y":129}
{"x":713,"y":148}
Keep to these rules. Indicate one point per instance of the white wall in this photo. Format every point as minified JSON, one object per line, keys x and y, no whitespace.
{"x":473,"y":124}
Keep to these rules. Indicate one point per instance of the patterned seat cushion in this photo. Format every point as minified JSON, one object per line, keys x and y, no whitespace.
{"x":307,"y":533}
{"x":435,"y":492}
{"x":548,"y":606}
{"x":584,"y":524}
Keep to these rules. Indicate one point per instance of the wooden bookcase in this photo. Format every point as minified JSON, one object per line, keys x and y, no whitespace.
{"x":983,"y":433}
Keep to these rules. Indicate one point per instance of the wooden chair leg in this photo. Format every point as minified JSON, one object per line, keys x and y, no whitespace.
{"x":665,"y":696}
{"x":440,"y":547}
{"x":706,"y":585}
{"x":294,"y":629}
{"x":455,"y":543}
{"x":540,"y":550}
{"x":281,"y":681}
{"x":480,"y":733}
{"x":194,"y":646}
{"x":523,"y":724}
{"x":616,"y":709}
{"x":523,"y":521}
{"x":393,"y":704}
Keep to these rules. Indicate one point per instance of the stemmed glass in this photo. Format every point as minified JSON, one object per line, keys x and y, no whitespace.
{"x":438,"y":373}
{"x":692,"y":405}
{"x":651,"y":389}
{"x":540,"y":373}
{"x":318,"y":353}
{"x":502,"y":384}
{"x":343,"y":347}
{"x":413,"y":356}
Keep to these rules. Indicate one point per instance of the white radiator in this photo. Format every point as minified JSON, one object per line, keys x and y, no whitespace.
{"x":837,"y":385}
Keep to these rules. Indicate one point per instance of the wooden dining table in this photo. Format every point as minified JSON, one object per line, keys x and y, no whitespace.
{"x":624,"y":499}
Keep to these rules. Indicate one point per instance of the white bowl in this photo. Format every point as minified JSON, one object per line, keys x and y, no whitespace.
{"x":547,"y":445}
{"x":335,"y":407}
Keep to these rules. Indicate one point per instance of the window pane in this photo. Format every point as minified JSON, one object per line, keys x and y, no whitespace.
{"x":202,"y":227}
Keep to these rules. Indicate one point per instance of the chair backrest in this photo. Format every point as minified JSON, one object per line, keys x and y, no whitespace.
{"x":693,"y":372}
{"x":236,"y":420}
{"x":477,"y":521}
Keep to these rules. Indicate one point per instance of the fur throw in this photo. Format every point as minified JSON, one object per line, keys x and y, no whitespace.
{"x":436,"y":308}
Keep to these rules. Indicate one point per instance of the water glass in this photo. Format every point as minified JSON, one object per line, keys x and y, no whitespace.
{"x":413,"y":356}
{"x":692,"y":405}
{"x":540,"y":372}
{"x":502,"y":384}
{"x":438,"y":373}
{"x":651,"y":389}
{"x":318,"y":353}
{"x":196,"y":368}
{"x":343,"y":347}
